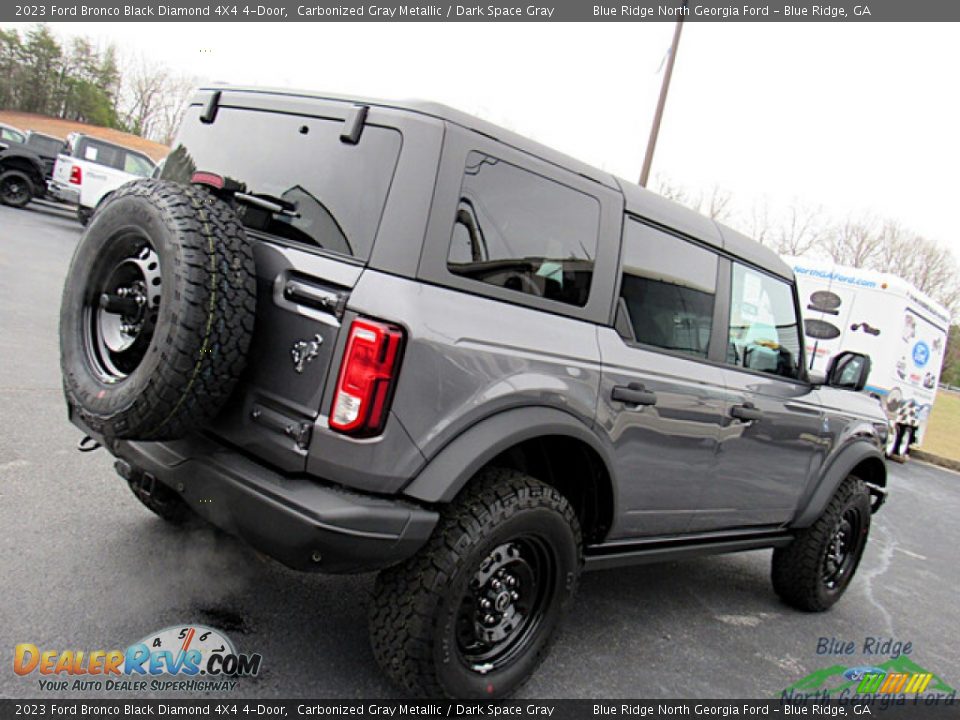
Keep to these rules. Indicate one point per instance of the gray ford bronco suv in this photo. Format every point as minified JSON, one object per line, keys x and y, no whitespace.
{"x":391,"y":336}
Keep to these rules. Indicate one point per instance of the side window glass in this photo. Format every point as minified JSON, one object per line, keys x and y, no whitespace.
{"x":764,"y":332}
{"x":524,"y":232}
{"x":668,"y":290}
{"x":136,"y":165}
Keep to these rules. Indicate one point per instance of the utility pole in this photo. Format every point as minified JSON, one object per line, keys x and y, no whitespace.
{"x":664,"y":87}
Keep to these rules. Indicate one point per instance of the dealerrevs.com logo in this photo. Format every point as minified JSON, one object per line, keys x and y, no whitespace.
{"x":182,"y":657}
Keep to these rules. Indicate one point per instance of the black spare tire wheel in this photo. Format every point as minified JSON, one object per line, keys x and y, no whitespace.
{"x":157,"y":312}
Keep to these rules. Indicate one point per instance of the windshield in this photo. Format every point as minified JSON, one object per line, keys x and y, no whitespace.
{"x":332,"y":193}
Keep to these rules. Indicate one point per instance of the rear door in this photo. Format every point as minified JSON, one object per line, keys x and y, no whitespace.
{"x":773,"y":423}
{"x":661,"y":403}
{"x":328,"y":196}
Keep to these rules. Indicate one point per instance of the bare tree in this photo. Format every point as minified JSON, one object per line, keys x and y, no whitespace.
{"x":715,"y":203}
{"x":758,"y":225}
{"x":801,"y":232}
{"x":145,"y":83}
{"x":854,"y":242}
{"x":154,"y":99}
{"x":177,"y":96}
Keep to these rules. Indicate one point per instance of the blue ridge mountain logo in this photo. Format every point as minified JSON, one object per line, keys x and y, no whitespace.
{"x":898,"y":678}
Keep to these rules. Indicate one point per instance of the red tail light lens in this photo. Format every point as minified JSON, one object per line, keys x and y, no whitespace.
{"x":368,"y":374}
{"x":206,"y":178}
{"x":76,"y":175}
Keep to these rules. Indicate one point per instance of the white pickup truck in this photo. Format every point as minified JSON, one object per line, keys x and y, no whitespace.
{"x":90,"y":169}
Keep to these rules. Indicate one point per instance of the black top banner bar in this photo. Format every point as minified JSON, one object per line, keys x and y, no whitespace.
{"x":500,"y":11}
{"x":896,"y":707}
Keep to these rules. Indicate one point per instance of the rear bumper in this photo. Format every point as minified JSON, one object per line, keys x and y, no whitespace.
{"x":63,"y":193}
{"x":302,"y":522}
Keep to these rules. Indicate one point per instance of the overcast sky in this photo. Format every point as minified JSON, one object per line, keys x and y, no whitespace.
{"x":852,"y":117}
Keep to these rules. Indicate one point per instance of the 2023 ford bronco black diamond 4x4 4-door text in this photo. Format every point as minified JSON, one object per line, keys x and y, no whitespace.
{"x":391,"y":336}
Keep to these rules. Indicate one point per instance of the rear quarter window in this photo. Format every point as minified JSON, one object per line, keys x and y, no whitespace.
{"x":524,"y":232}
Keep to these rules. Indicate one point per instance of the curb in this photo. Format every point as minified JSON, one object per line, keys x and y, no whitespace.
{"x":948,"y":463}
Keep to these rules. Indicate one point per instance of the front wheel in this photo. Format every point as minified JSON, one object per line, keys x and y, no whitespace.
{"x":473,"y":614}
{"x":813,"y":571}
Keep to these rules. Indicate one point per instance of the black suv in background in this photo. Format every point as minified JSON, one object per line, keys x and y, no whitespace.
{"x":392,"y":336}
{"x":27,"y":167}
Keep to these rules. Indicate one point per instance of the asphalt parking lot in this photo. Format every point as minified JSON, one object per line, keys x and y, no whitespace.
{"x":84,"y":566}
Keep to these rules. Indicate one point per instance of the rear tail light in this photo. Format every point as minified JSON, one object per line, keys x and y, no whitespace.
{"x":207,"y":178}
{"x":76,"y":175}
{"x":368,"y":374}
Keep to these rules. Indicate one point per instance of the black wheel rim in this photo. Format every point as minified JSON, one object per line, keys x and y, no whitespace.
{"x":15,"y":190}
{"x":121,"y":305}
{"x":505,"y":603}
{"x":841,"y":555}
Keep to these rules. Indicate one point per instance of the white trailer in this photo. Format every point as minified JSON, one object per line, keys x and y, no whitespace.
{"x":902,"y":330}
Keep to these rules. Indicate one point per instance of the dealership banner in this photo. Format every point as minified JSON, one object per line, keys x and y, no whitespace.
{"x":875,"y":706}
{"x":501,"y":11}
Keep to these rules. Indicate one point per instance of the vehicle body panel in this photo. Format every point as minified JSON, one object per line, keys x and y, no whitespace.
{"x":485,"y":367}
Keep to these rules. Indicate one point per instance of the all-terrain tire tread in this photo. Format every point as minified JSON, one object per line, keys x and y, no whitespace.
{"x":205,"y":349}
{"x":796,"y":568}
{"x":403,"y":617}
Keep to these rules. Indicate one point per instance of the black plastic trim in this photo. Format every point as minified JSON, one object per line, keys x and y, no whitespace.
{"x":302,"y":522}
{"x":603,"y":557}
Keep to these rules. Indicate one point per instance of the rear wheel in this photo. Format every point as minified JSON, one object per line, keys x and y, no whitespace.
{"x":813,"y":572}
{"x":474,"y":613}
{"x":16,"y":189}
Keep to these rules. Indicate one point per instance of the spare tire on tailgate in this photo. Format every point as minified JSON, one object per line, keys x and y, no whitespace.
{"x":157,"y":312}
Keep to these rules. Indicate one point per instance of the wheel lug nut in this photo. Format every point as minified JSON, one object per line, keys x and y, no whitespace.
{"x":515,"y":595}
{"x":486,"y":604}
{"x":496,"y":584}
{"x":489,"y":619}
{"x":511,"y":581}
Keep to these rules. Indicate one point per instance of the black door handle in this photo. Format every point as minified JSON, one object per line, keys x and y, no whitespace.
{"x":634,"y":394}
{"x":747,"y":411}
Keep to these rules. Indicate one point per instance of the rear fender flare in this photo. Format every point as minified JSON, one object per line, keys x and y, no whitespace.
{"x":451,"y":468}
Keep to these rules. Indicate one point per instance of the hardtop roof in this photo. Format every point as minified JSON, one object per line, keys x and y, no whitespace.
{"x":638,"y":201}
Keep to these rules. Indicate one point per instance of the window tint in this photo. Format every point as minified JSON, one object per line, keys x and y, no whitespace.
{"x":45,"y":145}
{"x":764,"y":332}
{"x":519,"y":230}
{"x":332,"y":193}
{"x":668,"y":290}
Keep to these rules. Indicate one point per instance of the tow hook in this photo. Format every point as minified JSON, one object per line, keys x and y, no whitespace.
{"x":878,"y":498}
{"x":88,"y":444}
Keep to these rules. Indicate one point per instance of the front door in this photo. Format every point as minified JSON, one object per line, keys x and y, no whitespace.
{"x":773,"y":424}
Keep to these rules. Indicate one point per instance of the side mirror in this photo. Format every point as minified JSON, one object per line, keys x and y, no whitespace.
{"x":817,"y":377}
{"x":849,"y":370}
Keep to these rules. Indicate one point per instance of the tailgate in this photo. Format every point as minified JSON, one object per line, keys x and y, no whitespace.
{"x":300,"y":298}
{"x":61,"y":171}
{"x":310,"y":196}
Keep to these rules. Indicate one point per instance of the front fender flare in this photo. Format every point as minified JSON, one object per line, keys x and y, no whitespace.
{"x":835,"y":473}
{"x":451,"y":468}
